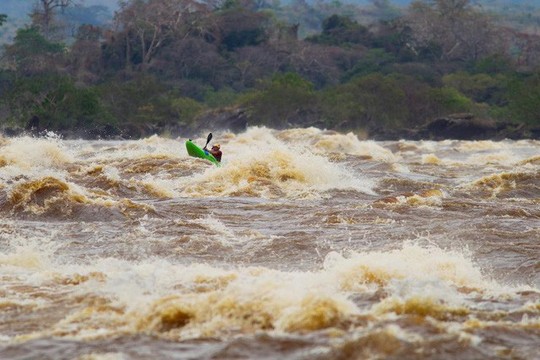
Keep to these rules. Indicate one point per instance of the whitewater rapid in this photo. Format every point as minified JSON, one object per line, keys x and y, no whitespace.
{"x":304,"y":244}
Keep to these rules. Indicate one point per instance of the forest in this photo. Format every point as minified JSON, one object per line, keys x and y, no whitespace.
{"x":176,"y":67}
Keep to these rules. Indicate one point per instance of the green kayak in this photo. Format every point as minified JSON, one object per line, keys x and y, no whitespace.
{"x":195,"y":151}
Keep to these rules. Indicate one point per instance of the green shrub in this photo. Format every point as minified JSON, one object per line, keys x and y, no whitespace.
{"x":282,"y":100}
{"x":495,"y":64}
{"x":186,"y":109}
{"x":369,"y":101}
{"x":479,"y":87}
{"x":139,"y":100}
{"x":447,"y":100}
{"x":221,"y":98}
{"x":31,"y":53}
{"x":524,"y":100}
{"x":55,"y":100}
{"x":374,"y":61}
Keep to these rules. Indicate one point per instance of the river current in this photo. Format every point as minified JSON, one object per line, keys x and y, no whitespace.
{"x":305,"y":244}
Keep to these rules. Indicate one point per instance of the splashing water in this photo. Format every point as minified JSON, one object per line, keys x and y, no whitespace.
{"x":305,"y":243}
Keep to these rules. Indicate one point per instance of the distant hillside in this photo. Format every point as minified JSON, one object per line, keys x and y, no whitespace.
{"x":520,"y":14}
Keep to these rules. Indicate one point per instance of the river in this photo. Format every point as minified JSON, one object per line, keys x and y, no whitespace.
{"x":304,"y":244}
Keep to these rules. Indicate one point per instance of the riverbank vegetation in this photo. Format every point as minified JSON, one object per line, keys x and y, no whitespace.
{"x":165,"y":65}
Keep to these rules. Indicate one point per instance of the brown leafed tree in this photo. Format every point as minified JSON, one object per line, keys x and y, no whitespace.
{"x":85,"y":54}
{"x":149,"y":24}
{"x":524,"y":46}
{"x":321,"y":64}
{"x":253,"y":63}
{"x":190,"y":58}
{"x":458,"y":29}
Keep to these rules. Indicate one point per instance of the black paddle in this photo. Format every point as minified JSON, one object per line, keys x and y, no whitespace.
{"x":208,"y":140}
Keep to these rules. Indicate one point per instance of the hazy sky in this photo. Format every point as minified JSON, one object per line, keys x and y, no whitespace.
{"x":19,"y":8}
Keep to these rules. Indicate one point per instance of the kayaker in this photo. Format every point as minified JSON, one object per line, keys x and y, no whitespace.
{"x":215,"y":151}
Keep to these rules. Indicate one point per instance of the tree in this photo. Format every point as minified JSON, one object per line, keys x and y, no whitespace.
{"x":144,"y":101}
{"x":43,"y":15}
{"x":524,"y":100}
{"x":455,"y":27}
{"x":55,"y":101}
{"x":373,"y":61}
{"x":526,"y":48}
{"x":366,"y":102}
{"x":85,"y":55}
{"x":321,"y":64}
{"x":285,"y":99}
{"x":138,"y":100}
{"x":447,"y":100}
{"x":149,"y":24}
{"x":343,"y":31}
{"x":191,"y":58}
{"x":482,"y":88}
{"x":378,"y":100}
{"x":238,"y":24}
{"x":252,"y":63}
{"x":31,"y":53}
{"x":3,"y":18}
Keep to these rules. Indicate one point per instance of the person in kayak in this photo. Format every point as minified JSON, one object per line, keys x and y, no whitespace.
{"x":215,"y":151}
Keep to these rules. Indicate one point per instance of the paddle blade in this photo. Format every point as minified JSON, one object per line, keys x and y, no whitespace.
{"x":208,"y":139}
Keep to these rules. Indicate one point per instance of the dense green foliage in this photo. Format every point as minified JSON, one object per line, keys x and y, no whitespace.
{"x":282,"y":100}
{"x":524,"y":100}
{"x":55,"y":99}
{"x":165,"y":63}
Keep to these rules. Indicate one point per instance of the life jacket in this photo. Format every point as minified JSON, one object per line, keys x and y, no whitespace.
{"x":217,"y":154}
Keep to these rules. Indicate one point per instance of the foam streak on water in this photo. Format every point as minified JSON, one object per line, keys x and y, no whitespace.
{"x":305,"y":244}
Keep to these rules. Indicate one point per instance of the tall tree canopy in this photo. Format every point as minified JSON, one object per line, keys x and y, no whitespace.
{"x":454,"y":29}
{"x":44,"y":16}
{"x":148,"y":24}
